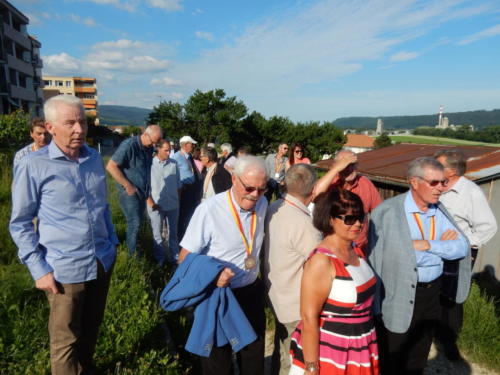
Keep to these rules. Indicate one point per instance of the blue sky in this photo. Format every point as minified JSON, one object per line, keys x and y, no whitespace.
{"x":306,"y":60}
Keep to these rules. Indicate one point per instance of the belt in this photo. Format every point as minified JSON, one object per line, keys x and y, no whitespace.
{"x":427,"y":285}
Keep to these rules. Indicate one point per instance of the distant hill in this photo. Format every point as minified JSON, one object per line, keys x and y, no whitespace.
{"x":122,"y":115}
{"x":479,"y":119}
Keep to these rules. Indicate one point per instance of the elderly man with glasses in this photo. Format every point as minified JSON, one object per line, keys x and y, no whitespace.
{"x":411,"y":235}
{"x":130,"y":166}
{"x":230,"y":227}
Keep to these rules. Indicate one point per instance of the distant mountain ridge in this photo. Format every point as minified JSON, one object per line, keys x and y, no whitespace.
{"x":479,"y":119}
{"x":123,"y":115}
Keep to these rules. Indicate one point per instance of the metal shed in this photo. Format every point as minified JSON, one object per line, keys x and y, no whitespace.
{"x":386,"y":168}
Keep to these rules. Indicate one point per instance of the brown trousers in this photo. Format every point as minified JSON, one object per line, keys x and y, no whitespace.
{"x":75,"y":315}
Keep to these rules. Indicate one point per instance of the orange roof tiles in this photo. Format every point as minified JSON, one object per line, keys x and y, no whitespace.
{"x":359,"y":140}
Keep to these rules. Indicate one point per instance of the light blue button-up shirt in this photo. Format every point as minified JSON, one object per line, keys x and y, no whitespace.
{"x":165,"y":183}
{"x":430,"y":262}
{"x":74,"y":220}
{"x":212,"y":231}
{"x":185,"y":167}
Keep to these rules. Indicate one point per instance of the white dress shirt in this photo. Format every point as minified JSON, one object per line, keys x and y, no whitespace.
{"x":212,"y":231}
{"x":467,"y":204}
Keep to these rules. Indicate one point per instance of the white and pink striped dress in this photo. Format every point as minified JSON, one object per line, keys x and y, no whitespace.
{"x":348,"y":342}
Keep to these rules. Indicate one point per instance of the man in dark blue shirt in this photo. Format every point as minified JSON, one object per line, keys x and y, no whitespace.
{"x":130,"y":166}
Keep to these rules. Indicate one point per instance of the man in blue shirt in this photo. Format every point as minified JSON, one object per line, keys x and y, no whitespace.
{"x":130,"y":166}
{"x":163,"y":202}
{"x":410,"y":237}
{"x":71,"y":253}
{"x":191,"y":188}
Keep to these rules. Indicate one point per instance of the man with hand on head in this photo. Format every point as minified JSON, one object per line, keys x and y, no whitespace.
{"x":230,"y":227}
{"x":72,"y":252}
{"x":130,"y":166}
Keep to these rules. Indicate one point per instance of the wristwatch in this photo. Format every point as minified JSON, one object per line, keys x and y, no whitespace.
{"x":311,"y":366}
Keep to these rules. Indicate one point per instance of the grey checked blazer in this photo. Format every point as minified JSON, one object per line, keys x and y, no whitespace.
{"x":392,"y":256}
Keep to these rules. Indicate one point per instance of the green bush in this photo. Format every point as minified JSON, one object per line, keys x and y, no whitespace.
{"x":14,"y":130}
{"x":480,"y":335}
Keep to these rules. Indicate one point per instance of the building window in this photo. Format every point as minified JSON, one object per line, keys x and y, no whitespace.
{"x":68,"y":83}
{"x":47,"y":82}
{"x":59,"y":83}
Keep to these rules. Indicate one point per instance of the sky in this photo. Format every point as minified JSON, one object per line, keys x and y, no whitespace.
{"x":308,"y":60}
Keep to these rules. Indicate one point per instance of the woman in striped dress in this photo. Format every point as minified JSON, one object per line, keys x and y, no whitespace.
{"x":336,"y":334}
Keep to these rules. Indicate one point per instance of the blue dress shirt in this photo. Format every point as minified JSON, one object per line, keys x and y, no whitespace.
{"x":74,"y":220}
{"x":185,"y":167}
{"x":430,"y":262}
{"x":165,"y":183}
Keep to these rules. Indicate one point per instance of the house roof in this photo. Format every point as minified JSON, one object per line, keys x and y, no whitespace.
{"x":390,"y":163}
{"x":359,"y":140}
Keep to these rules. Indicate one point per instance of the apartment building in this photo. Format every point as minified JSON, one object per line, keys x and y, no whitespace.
{"x":82,"y":87}
{"x":20,"y":63}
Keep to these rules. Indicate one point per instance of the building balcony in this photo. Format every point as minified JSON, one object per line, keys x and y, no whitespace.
{"x":20,"y":65}
{"x":91,"y":112}
{"x":89,"y":103}
{"x":18,"y":92}
{"x":17,"y":36}
{"x":85,"y":90}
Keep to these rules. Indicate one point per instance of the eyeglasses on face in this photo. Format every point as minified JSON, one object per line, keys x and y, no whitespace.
{"x":434,"y":183}
{"x":299,"y":151}
{"x":251,"y":189}
{"x":351,"y":219}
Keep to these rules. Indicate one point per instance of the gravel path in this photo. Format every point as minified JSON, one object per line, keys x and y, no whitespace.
{"x":437,"y":364}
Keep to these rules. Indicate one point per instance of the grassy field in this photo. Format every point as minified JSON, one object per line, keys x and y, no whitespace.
{"x":137,"y":337}
{"x":438,"y":140}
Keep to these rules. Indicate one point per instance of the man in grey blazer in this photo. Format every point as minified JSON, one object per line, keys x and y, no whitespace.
{"x":410,"y":236}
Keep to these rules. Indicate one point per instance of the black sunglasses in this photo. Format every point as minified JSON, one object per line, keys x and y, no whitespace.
{"x":299,"y":151}
{"x":434,"y":183}
{"x":351,"y":219}
{"x":251,"y":189}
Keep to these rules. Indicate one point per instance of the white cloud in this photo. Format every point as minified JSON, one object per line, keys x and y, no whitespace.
{"x":89,"y":21}
{"x":403,"y":56}
{"x":487,"y":33}
{"x":166,"y":81}
{"x":168,"y":5}
{"x":120,"y":57}
{"x":204,"y":35}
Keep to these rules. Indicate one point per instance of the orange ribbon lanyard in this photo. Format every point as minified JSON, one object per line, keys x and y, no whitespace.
{"x":293,"y":204}
{"x":278,"y":164}
{"x":432,"y":230}
{"x":239,"y":225}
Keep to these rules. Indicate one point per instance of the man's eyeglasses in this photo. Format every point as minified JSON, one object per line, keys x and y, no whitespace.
{"x":351,"y":219}
{"x":251,"y":189}
{"x":434,"y":183}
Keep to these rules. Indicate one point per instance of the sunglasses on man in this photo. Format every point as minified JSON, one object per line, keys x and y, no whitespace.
{"x":434,"y":183}
{"x":251,"y":189}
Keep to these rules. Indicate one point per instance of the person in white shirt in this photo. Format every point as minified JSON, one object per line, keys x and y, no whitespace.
{"x":230,"y":227}
{"x":216,"y":178}
{"x":470,"y":209}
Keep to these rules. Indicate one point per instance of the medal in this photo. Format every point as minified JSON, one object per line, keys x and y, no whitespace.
{"x":250,"y":262}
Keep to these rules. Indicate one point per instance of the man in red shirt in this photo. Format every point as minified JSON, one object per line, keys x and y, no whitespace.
{"x":344,"y":174}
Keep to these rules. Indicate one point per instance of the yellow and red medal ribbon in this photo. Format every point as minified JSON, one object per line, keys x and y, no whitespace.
{"x":239,"y":225}
{"x":432,"y":230}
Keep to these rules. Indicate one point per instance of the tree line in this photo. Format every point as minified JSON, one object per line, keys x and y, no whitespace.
{"x":490,"y":134}
{"x":214,"y":117}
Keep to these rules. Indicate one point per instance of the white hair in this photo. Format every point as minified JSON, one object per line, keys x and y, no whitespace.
{"x":246,"y":162}
{"x":153,"y":129}
{"x":50,"y":106}
{"x":226,"y":147}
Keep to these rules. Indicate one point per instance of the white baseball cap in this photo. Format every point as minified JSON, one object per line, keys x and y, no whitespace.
{"x":187,"y":139}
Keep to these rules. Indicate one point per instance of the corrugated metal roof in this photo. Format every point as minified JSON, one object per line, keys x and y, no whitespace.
{"x":390,"y":163}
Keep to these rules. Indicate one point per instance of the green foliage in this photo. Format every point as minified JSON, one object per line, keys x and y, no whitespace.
{"x":212,"y":117}
{"x":489,"y":135}
{"x":14,"y":129}
{"x":480,"y":119}
{"x":382,"y":140}
{"x":130,"y":131}
{"x":480,"y":335}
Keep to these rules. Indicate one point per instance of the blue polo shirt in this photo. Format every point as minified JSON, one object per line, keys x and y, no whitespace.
{"x":135,"y":161}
